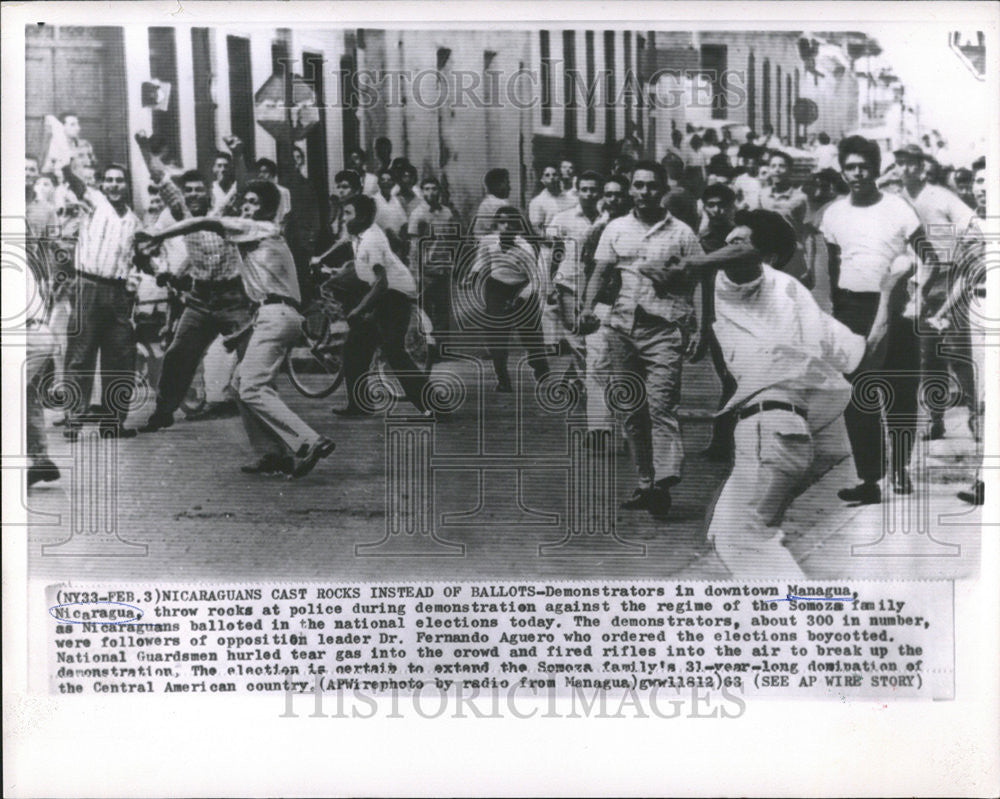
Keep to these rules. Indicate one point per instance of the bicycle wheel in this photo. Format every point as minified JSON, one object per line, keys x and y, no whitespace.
{"x":314,"y":367}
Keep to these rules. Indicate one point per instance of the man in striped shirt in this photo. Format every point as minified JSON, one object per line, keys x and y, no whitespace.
{"x":101,"y":320}
{"x":215,"y":304}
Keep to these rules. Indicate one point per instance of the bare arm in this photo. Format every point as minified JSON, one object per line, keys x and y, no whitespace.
{"x":192,"y":225}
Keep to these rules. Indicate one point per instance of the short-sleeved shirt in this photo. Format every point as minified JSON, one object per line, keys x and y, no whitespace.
{"x":870,"y":238}
{"x":483,"y":223}
{"x":410,"y":204}
{"x":570,"y":228}
{"x":778,"y":344}
{"x":210,"y":256}
{"x":791,"y":203}
{"x":543,"y":208}
{"x":104,"y":245}
{"x":748,"y":189}
{"x":627,"y":244}
{"x":428,"y":229}
{"x":515,"y":266}
{"x":944,"y":217}
{"x":371,"y":247}
{"x":389,"y":214}
{"x":267,"y":264}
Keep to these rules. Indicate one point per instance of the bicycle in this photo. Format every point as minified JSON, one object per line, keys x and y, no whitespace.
{"x":315,"y":368}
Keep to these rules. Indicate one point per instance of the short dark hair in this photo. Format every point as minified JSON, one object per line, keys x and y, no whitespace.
{"x":769,"y":233}
{"x":592,"y":175}
{"x":547,"y":165}
{"x":29,"y":157}
{"x":348,"y":176}
{"x":962,"y":174}
{"x":65,"y":114}
{"x":364,"y":208}
{"x":266,"y":163}
{"x":268,"y":195}
{"x":191,"y":176}
{"x":430,"y":181}
{"x":224,"y":156}
{"x":859,"y":145}
{"x":651,"y":166}
{"x":823,"y":138}
{"x":720,"y":168}
{"x":495,"y":178}
{"x":618,"y":178}
{"x":750,"y":151}
{"x":120,"y":167}
{"x":789,"y":161}
{"x":979,"y":163}
{"x":359,"y":151}
{"x":510,"y":212}
{"x":51,"y":176}
{"x":386,"y":171}
{"x":719,"y":191}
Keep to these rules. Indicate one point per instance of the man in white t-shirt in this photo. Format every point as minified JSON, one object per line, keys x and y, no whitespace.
{"x":381,"y":319}
{"x":866,"y":234}
{"x":826,"y":153}
{"x":789,"y":360}
{"x":947,"y":221}
{"x":283,"y":441}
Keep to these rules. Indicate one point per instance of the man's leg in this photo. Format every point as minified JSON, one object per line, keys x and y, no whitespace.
{"x":86,"y":318}
{"x":721,"y":445}
{"x":196,"y":330}
{"x":903,"y":357}
{"x":359,"y":347}
{"x":864,"y":428}
{"x":931,"y":360}
{"x":577,"y":344}
{"x":392,"y":319}
{"x":598,"y":368}
{"x":37,"y":363}
{"x":661,"y":350}
{"x":276,"y":329}
{"x":497,"y":295}
{"x":118,"y":356}
{"x":531,"y":336}
{"x":625,"y":362}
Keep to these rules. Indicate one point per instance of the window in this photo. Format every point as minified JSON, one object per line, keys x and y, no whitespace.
{"x":777,"y":102}
{"x":751,"y":91}
{"x":241,"y":118}
{"x":610,"y":134}
{"x":490,"y":79}
{"x":569,"y":84}
{"x":714,"y":61}
{"x":163,"y":66}
{"x":788,"y":106}
{"x":545,"y":48}
{"x":204,"y":106}
{"x":766,"y":109}
{"x":591,"y":78}
{"x":628,"y":84}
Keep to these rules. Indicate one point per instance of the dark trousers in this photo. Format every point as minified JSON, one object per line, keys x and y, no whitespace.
{"x":385,"y":329}
{"x":225,"y":313}
{"x":900,"y":371}
{"x":507,"y":315}
{"x":436,"y":297}
{"x":102,"y":321}
{"x":722,"y":428}
{"x":951,"y":350}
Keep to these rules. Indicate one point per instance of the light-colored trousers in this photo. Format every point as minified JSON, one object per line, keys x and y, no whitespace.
{"x":271,"y":426}
{"x":773,"y":452}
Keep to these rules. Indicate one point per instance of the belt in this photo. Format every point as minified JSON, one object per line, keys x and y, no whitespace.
{"x":770,"y":405}
{"x":281,"y":299}
{"x":206,"y":286}
{"x":107,"y":281}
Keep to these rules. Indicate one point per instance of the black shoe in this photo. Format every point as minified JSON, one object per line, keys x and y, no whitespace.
{"x":319,"y":449}
{"x":351,"y":412}
{"x":43,"y":471}
{"x":863,"y":494}
{"x":638,"y":501}
{"x":658,"y":502}
{"x":269,"y":463}
{"x":975,"y":495}
{"x":935,"y":431}
{"x":217,"y":410}
{"x":114,"y":431}
{"x":901,"y":483}
{"x":158,"y":421}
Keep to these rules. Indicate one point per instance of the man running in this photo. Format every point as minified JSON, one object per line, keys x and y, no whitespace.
{"x":283,"y":442}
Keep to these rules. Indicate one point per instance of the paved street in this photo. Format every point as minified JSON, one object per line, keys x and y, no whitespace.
{"x":180,"y":493}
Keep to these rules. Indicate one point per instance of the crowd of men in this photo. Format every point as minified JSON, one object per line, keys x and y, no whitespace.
{"x":797,"y":289}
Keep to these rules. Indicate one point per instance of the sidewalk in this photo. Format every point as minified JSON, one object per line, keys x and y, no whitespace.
{"x":930,"y":534}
